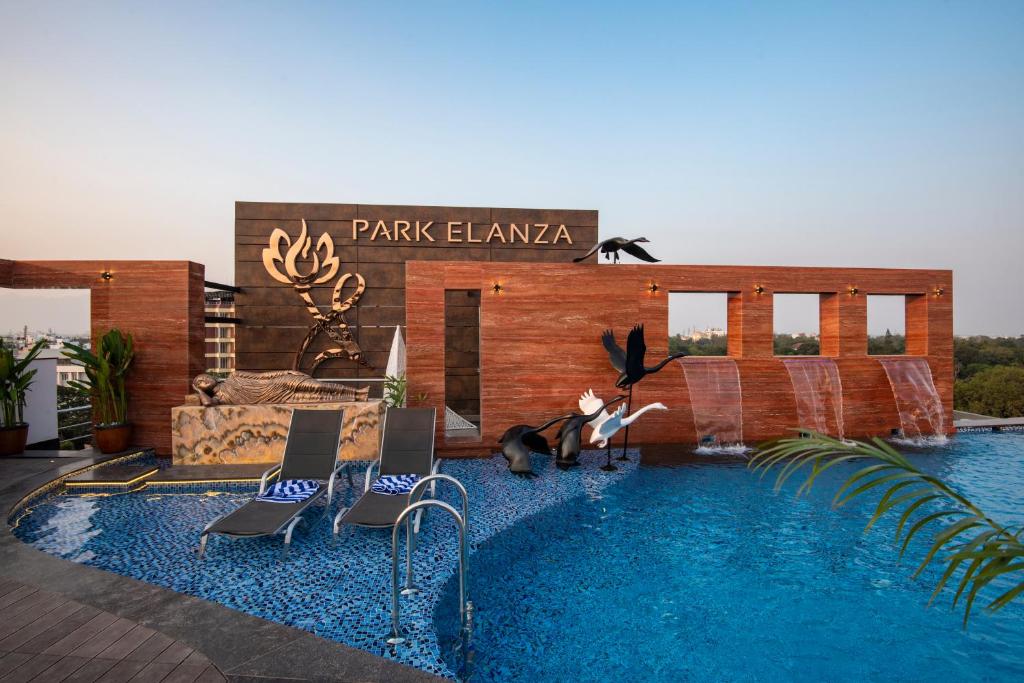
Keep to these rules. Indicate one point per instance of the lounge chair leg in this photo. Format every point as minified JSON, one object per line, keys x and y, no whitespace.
{"x":204,"y":535}
{"x":288,"y":537}
{"x":337,"y":526}
{"x":416,"y":521}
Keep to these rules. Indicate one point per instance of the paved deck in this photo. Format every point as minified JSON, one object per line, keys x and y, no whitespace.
{"x":45,"y":636}
{"x":240,"y":646}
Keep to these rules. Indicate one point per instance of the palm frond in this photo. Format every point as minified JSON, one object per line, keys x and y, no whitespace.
{"x":966,"y":540}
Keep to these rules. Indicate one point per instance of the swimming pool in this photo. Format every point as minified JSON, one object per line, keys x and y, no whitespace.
{"x":693,"y":572}
{"x":701,"y":572}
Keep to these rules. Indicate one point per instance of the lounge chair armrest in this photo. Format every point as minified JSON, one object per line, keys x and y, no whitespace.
{"x":266,"y":476}
{"x":369,"y":474}
{"x":434,"y":470}
{"x":334,"y":475}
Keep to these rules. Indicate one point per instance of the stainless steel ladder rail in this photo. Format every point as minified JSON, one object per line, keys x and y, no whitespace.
{"x":396,"y":628}
{"x":412,"y":526}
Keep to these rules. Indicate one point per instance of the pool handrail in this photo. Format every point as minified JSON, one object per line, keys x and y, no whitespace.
{"x":396,"y":628}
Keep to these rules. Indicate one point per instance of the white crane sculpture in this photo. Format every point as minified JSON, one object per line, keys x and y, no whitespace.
{"x":606,"y":425}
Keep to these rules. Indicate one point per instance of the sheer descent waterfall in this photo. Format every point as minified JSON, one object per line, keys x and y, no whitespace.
{"x":714,"y":385}
{"x":916,"y":397}
{"x":819,"y":394}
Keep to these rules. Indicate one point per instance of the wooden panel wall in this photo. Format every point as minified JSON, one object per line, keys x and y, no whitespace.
{"x":540,"y":339}
{"x":274,"y":321}
{"x":161,"y":304}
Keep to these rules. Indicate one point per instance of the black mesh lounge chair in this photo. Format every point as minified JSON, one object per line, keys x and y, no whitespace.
{"x":407,"y":447}
{"x":311,"y":452}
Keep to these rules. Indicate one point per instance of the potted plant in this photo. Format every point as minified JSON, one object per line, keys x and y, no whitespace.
{"x":104,"y":383}
{"x":15,"y":379}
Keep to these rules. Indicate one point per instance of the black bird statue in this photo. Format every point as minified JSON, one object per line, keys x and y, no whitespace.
{"x":610,"y":249}
{"x":630,"y":364}
{"x":568,"y":448}
{"x":519,"y":441}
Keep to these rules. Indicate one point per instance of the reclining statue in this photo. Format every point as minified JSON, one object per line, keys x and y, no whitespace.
{"x":281,"y":386}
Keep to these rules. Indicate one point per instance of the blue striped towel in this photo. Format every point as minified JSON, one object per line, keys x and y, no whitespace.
{"x":395,"y":484}
{"x":290,"y":491}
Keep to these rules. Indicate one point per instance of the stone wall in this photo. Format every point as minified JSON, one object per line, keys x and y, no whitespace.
{"x":222,"y":435}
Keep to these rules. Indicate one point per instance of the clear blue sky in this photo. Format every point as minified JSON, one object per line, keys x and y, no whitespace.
{"x":850,"y":134}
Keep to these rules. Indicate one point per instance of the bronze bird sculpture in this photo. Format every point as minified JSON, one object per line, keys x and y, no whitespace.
{"x":611,"y":248}
{"x":630,"y":364}
{"x":519,"y":441}
{"x":569,"y":434}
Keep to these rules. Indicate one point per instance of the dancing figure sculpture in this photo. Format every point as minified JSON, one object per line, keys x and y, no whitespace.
{"x":331,"y":324}
{"x":611,"y":248}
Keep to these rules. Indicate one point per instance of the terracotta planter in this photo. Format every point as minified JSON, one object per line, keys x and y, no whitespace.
{"x":12,"y":439}
{"x":113,"y":438}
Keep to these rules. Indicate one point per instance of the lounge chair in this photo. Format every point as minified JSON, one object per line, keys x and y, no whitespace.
{"x":407,"y":447}
{"x":311,"y":453}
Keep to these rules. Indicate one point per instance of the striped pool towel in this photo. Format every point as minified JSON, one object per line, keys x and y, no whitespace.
{"x":395,"y":484}
{"x":290,"y":491}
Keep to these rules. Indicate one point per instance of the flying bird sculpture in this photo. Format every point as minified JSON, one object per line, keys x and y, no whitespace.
{"x":611,"y":248}
{"x":636,"y":351}
{"x":630,"y":364}
{"x":519,"y":441}
{"x":603,"y":433}
{"x":569,"y":433}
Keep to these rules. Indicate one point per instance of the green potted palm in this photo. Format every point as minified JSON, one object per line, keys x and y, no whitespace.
{"x":104,"y":384}
{"x":15,"y":379}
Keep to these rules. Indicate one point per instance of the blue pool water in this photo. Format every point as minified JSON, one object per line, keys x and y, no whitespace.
{"x":693,"y":572}
{"x":701,"y":572}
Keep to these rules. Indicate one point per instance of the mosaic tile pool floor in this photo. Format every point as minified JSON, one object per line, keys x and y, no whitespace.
{"x":341,"y":592}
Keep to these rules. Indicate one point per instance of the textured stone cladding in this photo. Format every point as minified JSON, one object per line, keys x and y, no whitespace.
{"x":540,"y":339}
{"x":257,"y":433}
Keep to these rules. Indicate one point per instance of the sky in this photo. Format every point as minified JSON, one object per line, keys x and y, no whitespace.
{"x":885,"y":134}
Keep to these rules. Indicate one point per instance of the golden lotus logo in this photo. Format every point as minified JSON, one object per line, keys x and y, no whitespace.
{"x":320,"y":270}
{"x":279,"y":239}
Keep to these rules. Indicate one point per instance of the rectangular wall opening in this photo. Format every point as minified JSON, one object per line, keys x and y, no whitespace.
{"x":796,"y":324}
{"x":58,"y":416}
{"x":462,"y":363}
{"x":698,"y":323}
{"x":887,"y":324}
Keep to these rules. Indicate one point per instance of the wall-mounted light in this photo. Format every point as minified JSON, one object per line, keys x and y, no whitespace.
{"x":854,"y":291}
{"x":758,"y":289}
{"x":107,"y":275}
{"x":497,"y":288}
{"x":653,"y":288}
{"x":939,"y":291}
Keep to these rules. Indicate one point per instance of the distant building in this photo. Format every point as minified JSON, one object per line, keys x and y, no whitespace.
{"x":706,"y":333}
{"x":220,"y":336}
{"x":67,"y":370}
